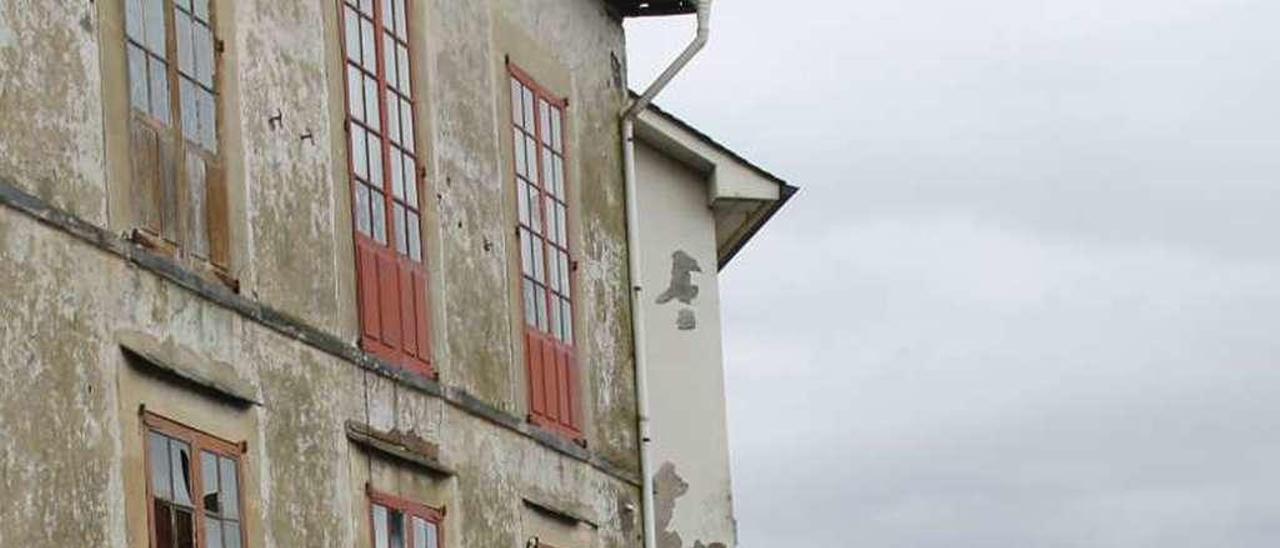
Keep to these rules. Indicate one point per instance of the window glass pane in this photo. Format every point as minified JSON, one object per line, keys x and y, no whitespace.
{"x":388,"y":15}
{"x":190,"y":111}
{"x":411,"y":182}
{"x":366,"y":7}
{"x":230,"y":487}
{"x":209,"y":482}
{"x":359,"y":154}
{"x":186,"y":56}
{"x":212,"y":532}
{"x":362,"y":209}
{"x":378,"y":201}
{"x":379,"y":527}
{"x":352,"y":33}
{"x":154,"y":17}
{"x":375,"y":161}
{"x":204,"y":54}
{"x":562,"y":225}
{"x":530,"y":309}
{"x":163,"y":524}
{"x":535,"y":210}
{"x":544,"y":111}
{"x":522,"y":201}
{"x":540,"y":300}
{"x":202,"y":9}
{"x":526,"y":253}
{"x":393,"y":117}
{"x":180,"y":465}
{"x":133,"y":20}
{"x":397,"y":174}
{"x":403,"y":58}
{"x":558,"y":177}
{"x":184,"y":531}
{"x":556,"y":117}
{"x":137,"y":78}
{"x":369,"y":53}
{"x":159,"y":90}
{"x":566,"y":286}
{"x":555,"y":319}
{"x":415,"y":237}
{"x":371,"y":115}
{"x":401,"y":16}
{"x":531,"y":156}
{"x":433,"y":536}
{"x":389,"y":58}
{"x":231,"y":534}
{"x":546,"y":169}
{"x":406,"y":123}
{"x":397,"y":216}
{"x":208,"y":120}
{"x":517,"y":113}
{"x":528,"y":109}
{"x":567,"y":316}
{"x":517,"y":150}
{"x":184,"y":4}
{"x":553,"y":275}
{"x":355,"y":93}
{"x":395,"y":529}
{"x":539,"y":273}
{"x":158,"y":457}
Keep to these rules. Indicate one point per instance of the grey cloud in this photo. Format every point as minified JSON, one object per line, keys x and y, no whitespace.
{"x":1028,"y":292}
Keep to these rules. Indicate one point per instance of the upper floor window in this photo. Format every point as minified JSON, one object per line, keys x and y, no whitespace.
{"x":193,"y":488}
{"x":398,"y":523}
{"x":179,"y":191}
{"x":546,"y":260}
{"x":386,"y":176}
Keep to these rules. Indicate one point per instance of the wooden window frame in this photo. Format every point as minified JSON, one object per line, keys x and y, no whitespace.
{"x":199,"y":441}
{"x":391,"y":270}
{"x":410,"y":509}
{"x":552,"y":367}
{"x":174,"y":230}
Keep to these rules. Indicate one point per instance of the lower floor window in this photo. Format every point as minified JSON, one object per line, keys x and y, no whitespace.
{"x":193,"y":487}
{"x":398,"y":523}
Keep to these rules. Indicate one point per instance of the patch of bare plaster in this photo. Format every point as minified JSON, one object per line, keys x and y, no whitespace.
{"x":682,"y":289}
{"x":6,"y":33}
{"x":686,"y":320}
{"x":667,"y":487}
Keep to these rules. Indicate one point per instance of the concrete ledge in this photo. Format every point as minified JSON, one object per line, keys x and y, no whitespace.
{"x":563,"y":511}
{"x":405,"y":447}
{"x":170,"y":360}
{"x":293,"y":328}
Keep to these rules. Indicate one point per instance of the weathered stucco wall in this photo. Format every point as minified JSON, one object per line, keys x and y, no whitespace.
{"x":50,"y":106}
{"x":693,"y":494}
{"x":68,"y":421}
{"x":70,"y":417}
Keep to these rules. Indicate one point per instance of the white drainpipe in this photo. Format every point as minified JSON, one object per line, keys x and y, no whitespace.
{"x":635,"y":270}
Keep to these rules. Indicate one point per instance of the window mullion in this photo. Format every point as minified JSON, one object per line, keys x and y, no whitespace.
{"x":544,"y":196}
{"x":384,"y":134}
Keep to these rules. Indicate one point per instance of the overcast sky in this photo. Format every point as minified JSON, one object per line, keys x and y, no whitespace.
{"x":1029,"y":294}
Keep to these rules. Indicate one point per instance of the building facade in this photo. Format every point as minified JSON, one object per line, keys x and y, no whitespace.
{"x":319,"y":273}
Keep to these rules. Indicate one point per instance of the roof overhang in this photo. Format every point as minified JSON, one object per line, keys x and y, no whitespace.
{"x":642,"y":8}
{"x":742,"y":196}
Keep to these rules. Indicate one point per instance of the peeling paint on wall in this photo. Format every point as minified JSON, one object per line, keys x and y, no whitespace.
{"x":681,"y":288}
{"x":669,"y":486}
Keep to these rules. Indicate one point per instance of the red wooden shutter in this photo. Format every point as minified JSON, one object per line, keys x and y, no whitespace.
{"x":385,"y":183}
{"x":546,"y":281}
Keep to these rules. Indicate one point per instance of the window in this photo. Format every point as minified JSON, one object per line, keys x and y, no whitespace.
{"x":385,"y":175}
{"x":398,"y":523}
{"x":546,"y":262}
{"x":193,"y":482}
{"x":180,"y":197}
